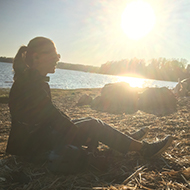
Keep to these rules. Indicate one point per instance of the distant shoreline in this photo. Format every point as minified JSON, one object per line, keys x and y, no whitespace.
{"x":147,"y":72}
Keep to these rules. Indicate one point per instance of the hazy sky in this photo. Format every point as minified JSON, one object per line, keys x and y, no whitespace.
{"x":89,"y":31}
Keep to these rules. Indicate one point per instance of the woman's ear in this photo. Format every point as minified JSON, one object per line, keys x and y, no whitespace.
{"x":35,"y":57}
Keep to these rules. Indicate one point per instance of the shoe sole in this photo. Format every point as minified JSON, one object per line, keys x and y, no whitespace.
{"x":169,"y":142}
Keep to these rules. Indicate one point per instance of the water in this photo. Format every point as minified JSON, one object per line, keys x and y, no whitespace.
{"x":6,"y":75}
{"x":67,"y":79}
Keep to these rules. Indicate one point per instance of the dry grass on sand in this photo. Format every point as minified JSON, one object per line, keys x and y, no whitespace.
{"x":112,"y":170}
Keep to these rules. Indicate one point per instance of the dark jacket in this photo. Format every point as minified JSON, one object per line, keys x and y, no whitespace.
{"x":34,"y":117}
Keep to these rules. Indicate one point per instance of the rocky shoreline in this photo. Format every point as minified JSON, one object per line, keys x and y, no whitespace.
{"x":171,"y":171}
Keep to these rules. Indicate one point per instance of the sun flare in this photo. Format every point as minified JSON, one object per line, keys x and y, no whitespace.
{"x":138,"y":19}
{"x":133,"y":81}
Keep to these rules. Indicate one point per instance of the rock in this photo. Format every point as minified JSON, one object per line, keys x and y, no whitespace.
{"x":153,"y":99}
{"x":96,"y":102}
{"x":116,"y":97}
{"x":84,"y":100}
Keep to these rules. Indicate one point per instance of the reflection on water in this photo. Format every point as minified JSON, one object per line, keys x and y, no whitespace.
{"x":67,"y":79}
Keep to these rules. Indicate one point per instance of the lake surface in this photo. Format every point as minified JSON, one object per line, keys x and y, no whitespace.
{"x":68,"y":79}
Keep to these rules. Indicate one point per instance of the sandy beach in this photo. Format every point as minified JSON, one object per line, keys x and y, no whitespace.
{"x":131,"y":171}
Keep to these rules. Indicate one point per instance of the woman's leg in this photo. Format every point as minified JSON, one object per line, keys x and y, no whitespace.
{"x":95,"y":130}
{"x":136,"y":135}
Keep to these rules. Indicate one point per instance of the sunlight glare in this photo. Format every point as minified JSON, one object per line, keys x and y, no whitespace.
{"x":138,"y":19}
{"x":133,"y":82}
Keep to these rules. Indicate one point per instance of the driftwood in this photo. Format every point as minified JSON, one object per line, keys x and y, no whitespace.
{"x":133,"y":175}
{"x":182,"y":88}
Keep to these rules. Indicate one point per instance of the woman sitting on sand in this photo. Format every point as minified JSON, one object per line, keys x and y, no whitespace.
{"x":39,"y":127}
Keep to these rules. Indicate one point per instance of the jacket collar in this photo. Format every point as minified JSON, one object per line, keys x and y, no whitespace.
{"x":36,"y":75}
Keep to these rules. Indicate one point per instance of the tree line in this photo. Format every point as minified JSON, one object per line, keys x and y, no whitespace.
{"x":78,"y":67}
{"x":6,"y":59}
{"x":158,"y":69}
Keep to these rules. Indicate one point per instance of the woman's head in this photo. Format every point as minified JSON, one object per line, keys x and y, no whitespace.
{"x":40,"y":54}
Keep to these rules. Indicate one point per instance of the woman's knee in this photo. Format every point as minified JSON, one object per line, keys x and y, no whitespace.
{"x":79,"y":120}
{"x":90,"y":124}
{"x":96,"y":122}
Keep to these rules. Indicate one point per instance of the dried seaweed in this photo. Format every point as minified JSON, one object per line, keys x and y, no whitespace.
{"x":131,"y":171}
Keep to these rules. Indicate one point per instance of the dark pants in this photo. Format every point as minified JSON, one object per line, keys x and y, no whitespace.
{"x":91,"y":131}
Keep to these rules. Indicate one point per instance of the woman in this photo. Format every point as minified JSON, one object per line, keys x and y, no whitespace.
{"x":39,"y":127}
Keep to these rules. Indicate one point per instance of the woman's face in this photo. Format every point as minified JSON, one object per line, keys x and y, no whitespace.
{"x":46,"y":59}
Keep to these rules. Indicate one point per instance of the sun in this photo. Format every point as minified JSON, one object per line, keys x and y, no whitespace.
{"x":138,"y":19}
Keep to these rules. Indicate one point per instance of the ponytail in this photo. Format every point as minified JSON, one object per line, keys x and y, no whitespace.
{"x":19,"y":64}
{"x":24,"y":57}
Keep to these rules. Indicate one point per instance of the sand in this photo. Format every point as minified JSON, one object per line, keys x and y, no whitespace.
{"x":112,"y":170}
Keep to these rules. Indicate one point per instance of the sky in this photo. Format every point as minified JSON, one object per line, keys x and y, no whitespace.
{"x":89,"y":32}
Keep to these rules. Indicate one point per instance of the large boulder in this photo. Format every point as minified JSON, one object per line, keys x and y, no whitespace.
{"x":84,"y":100}
{"x":116,"y":97}
{"x":156,"y":99}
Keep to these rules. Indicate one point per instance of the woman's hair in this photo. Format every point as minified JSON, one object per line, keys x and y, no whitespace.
{"x":24,"y":57}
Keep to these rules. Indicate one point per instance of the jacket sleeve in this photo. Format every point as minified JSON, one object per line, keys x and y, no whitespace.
{"x":46,"y":112}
